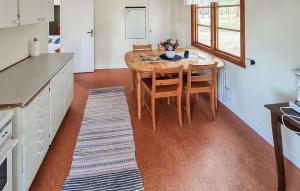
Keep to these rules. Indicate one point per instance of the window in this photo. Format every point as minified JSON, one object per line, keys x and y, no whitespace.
{"x":219,"y":28}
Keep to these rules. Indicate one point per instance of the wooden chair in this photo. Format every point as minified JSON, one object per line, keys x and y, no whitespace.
{"x":161,"y":86}
{"x":159,"y":47}
{"x":146,"y":47}
{"x":198,"y":83}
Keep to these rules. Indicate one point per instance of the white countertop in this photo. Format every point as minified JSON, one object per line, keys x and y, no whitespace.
{"x":21,"y":82}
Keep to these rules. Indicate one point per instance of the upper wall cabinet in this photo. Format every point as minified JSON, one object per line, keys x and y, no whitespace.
{"x":47,"y":10}
{"x":35,"y":11}
{"x":8,"y":13}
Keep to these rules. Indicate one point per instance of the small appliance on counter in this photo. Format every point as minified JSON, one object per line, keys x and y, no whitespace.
{"x":295,"y":105}
{"x":7,"y":144}
{"x":35,"y":48}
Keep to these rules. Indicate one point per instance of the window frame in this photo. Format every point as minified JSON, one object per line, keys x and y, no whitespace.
{"x":213,"y":49}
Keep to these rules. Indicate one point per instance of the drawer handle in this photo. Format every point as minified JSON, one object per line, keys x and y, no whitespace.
{"x":40,"y":131}
{"x":38,"y":121}
{"x":40,"y":153}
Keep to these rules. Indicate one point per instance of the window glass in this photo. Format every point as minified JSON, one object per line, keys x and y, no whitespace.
{"x":204,"y":17}
{"x":229,"y":2}
{"x":229,"y":17}
{"x":204,"y":35}
{"x":229,"y":41}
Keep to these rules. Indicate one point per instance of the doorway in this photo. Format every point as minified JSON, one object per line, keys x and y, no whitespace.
{"x":54,"y":39}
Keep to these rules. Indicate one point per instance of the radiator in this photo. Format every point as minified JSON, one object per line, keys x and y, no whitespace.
{"x":222,"y":84}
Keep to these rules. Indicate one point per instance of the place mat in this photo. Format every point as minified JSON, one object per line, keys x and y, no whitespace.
{"x":156,"y":57}
{"x":176,"y":58}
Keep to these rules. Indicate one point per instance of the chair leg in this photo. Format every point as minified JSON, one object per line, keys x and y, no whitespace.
{"x":143,"y":97}
{"x":153,"y":113}
{"x":132,"y":81}
{"x":197,"y":97}
{"x":169,"y":100}
{"x":212,"y":104}
{"x":188,"y":108}
{"x":179,"y":110}
{"x":216,"y":99}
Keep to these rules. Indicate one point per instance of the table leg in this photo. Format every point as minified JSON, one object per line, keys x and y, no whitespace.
{"x":276,"y":129}
{"x":139,"y":94}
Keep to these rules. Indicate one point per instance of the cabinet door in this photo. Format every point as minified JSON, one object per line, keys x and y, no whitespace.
{"x":8,"y":13}
{"x":57,"y":102}
{"x":47,"y":10}
{"x":69,"y":84}
{"x":30,"y":11}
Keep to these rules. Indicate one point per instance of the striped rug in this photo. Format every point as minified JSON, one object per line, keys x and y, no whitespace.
{"x":104,"y":157}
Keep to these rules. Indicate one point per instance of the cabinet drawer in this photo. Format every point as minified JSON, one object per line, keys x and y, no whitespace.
{"x":37,"y":107}
{"x":34,"y":153}
{"x":40,"y":114}
{"x":40,"y":127}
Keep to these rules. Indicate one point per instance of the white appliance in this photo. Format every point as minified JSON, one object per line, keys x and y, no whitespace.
{"x":295,"y":105}
{"x":7,"y":144}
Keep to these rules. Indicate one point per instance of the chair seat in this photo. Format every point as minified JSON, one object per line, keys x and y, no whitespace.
{"x":159,"y":89}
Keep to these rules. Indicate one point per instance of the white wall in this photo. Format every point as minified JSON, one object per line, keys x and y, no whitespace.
{"x":15,"y":42}
{"x":272,"y":39}
{"x":183,"y":23}
{"x":110,"y":42}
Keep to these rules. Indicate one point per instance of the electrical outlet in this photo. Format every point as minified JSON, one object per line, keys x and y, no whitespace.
{"x":227,"y":94}
{"x":250,"y":62}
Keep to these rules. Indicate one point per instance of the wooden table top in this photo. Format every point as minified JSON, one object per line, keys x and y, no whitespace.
{"x":135,"y":62}
{"x":291,"y":124}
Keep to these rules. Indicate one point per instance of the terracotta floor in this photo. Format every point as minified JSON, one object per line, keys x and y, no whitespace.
{"x":223,"y":155}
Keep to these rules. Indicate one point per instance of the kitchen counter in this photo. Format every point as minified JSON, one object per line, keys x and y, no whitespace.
{"x":21,"y":82}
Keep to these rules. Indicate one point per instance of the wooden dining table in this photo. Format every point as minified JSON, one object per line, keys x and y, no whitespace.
{"x":142,"y":68}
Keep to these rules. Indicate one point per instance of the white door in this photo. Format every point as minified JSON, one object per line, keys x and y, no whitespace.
{"x":8,"y":13}
{"x":77,"y":33}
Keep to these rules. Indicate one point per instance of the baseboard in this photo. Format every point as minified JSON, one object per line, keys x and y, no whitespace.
{"x":112,"y":67}
{"x":265,"y":135}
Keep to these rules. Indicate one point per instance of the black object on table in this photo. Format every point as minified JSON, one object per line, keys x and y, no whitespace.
{"x":186,"y":54}
{"x":276,"y":117}
{"x":176,"y":58}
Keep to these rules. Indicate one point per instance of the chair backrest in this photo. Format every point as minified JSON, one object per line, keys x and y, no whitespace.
{"x":160,"y":77}
{"x":159,"y":47}
{"x":142,"y":47}
{"x":205,"y":73}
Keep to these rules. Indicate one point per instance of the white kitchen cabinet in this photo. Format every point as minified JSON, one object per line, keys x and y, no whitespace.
{"x":35,"y":11}
{"x":8,"y":13}
{"x":47,"y":10}
{"x":57,"y":100}
{"x":61,"y":96}
{"x":30,"y":11}
{"x":69,"y":84}
{"x":36,"y":135}
{"x":38,"y":110}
